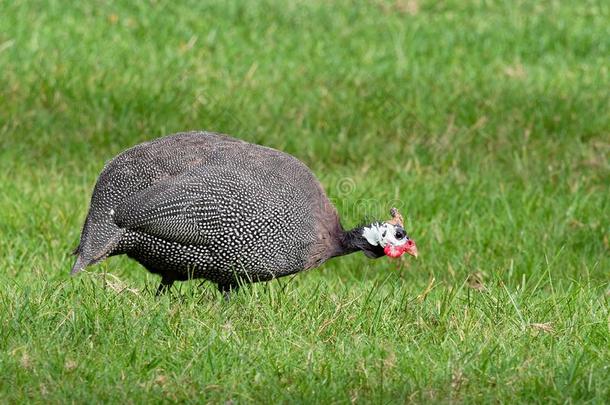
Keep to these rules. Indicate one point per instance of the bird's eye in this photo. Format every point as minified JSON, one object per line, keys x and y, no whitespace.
{"x":399,"y":234}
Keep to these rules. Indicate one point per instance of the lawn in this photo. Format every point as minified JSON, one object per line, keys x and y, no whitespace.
{"x":486,"y":122}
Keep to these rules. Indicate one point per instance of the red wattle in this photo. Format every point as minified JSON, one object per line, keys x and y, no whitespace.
{"x":397,"y":251}
{"x":393,"y":251}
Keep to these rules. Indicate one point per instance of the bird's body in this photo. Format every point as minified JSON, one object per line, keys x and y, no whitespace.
{"x":205,"y":205}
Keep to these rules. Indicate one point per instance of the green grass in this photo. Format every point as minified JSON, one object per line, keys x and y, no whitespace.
{"x":487,"y":122}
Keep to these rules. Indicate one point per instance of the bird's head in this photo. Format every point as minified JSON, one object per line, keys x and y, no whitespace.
{"x":388,"y":238}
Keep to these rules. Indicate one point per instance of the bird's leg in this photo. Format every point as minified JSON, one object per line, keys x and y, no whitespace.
{"x":164,"y":286}
{"x":227,"y":289}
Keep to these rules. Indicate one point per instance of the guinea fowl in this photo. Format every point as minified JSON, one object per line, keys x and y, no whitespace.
{"x":205,"y":205}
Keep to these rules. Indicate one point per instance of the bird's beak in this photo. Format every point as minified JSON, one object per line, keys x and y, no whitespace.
{"x":411,"y":248}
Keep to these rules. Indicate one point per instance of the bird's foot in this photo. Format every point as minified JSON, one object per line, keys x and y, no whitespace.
{"x":227,"y":290}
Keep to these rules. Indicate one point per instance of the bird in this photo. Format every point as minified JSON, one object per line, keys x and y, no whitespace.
{"x":204,"y":205}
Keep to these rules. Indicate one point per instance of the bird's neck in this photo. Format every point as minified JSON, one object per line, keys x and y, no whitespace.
{"x":352,"y":241}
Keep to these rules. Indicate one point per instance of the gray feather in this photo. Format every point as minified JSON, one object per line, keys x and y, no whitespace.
{"x":207,"y":205}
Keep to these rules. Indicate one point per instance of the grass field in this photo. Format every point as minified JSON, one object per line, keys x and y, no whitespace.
{"x":487,"y":122}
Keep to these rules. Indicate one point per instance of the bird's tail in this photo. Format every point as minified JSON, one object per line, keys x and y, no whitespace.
{"x":88,"y":255}
{"x":78,"y":265}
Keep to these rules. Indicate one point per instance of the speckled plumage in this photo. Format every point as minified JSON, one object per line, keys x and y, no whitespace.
{"x":204,"y":205}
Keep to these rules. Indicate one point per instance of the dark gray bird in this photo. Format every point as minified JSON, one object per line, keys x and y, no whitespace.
{"x":205,"y":205}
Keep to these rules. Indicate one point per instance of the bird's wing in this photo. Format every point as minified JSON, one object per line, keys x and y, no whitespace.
{"x":184,"y":210}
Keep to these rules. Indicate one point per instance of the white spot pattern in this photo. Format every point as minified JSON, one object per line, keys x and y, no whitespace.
{"x":204,"y":205}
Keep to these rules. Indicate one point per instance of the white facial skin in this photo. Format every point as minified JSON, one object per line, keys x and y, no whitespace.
{"x":382,"y":235}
